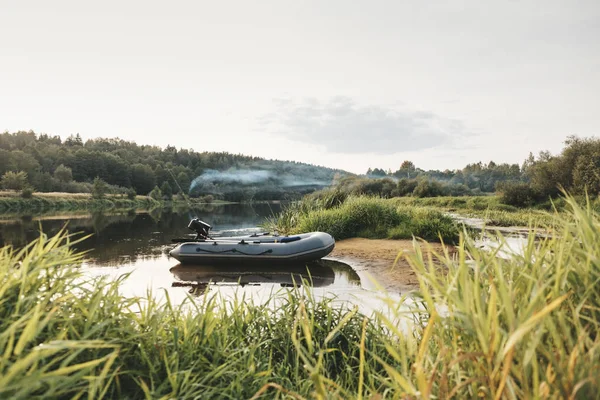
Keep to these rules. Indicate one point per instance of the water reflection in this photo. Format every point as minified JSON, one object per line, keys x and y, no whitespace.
{"x":320,"y":273}
{"x":137,"y":244}
{"x":119,"y":238}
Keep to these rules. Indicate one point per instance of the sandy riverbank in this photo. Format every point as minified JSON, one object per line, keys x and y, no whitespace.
{"x":378,"y":259}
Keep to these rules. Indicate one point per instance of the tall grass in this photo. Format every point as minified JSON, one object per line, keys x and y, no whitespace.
{"x":494,"y":213}
{"x":526,"y":326}
{"x":344,"y":217}
{"x":62,"y":336}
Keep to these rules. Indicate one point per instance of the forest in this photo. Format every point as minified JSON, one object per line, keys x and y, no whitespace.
{"x":47,"y":163}
{"x":44,"y":163}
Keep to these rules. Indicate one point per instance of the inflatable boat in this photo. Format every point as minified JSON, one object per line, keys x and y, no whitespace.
{"x":260,"y":249}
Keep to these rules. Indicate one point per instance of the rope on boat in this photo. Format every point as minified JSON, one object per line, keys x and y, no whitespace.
{"x":199,"y":249}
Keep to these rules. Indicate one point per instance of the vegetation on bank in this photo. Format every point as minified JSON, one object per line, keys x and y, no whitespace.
{"x":523,"y":327}
{"x":345,"y":216}
{"x":46,"y":163}
{"x":495,"y":213}
{"x":12,"y":202}
{"x":576,"y":169}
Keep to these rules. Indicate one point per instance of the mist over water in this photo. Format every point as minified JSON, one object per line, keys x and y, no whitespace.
{"x":247,"y":177}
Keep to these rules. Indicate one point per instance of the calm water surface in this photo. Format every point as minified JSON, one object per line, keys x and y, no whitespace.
{"x":138,"y":244}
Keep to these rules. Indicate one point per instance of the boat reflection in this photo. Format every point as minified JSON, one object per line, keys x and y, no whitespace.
{"x":320,"y":273}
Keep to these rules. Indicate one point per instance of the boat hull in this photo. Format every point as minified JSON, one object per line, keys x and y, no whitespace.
{"x":306,"y":247}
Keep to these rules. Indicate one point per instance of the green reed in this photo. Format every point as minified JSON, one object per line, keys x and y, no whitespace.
{"x":526,"y":326}
{"x":364,"y":216}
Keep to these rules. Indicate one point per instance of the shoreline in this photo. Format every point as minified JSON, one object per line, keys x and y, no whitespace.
{"x":381,"y":263}
{"x":12,"y":202}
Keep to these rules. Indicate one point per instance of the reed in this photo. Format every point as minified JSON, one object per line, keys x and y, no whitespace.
{"x":525,"y":326}
{"x":64,"y":336}
{"x":364,"y":216}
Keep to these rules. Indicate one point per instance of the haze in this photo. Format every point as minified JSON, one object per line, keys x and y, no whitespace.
{"x":349,"y":85}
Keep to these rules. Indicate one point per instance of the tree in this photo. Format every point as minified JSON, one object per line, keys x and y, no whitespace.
{"x":184,"y":181}
{"x":74,"y":140}
{"x":407,"y":170}
{"x":167,"y":191}
{"x":63,"y":174}
{"x":378,"y":172}
{"x":99,"y":188}
{"x":142,"y":178}
{"x":14,"y":180}
{"x":6,"y":162}
{"x":427,"y":188}
{"x":586,"y":174}
{"x":25,"y":162}
{"x":116,"y":170}
{"x":156,"y":194}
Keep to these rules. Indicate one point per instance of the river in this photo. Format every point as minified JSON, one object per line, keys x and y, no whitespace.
{"x":137,"y":243}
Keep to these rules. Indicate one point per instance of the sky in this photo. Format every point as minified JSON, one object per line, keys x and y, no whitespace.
{"x":344,"y":84}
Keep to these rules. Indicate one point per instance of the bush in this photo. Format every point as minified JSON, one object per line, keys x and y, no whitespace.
{"x":14,"y":180}
{"x":27,"y":192}
{"x":405,"y":187}
{"x":155,"y":194}
{"x":99,"y":188}
{"x":131,"y":194}
{"x":516,"y":194}
{"x":428,"y":188}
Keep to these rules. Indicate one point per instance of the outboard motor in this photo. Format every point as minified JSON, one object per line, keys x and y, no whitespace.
{"x":200,"y":227}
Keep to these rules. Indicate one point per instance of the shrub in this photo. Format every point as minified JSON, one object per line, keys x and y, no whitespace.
{"x":99,"y":188}
{"x":155,"y":194}
{"x":14,"y":180}
{"x":516,"y":194}
{"x":27,"y":192}
{"x":131,"y":194}
{"x":428,"y":188}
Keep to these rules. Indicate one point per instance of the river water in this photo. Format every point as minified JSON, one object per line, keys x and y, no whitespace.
{"x":137,"y":243}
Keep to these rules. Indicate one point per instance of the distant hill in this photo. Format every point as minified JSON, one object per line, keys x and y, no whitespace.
{"x":70,"y":165}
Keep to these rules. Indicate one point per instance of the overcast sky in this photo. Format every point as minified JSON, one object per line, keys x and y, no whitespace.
{"x":345,"y":84}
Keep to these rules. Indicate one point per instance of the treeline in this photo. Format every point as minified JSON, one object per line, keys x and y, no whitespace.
{"x":576,"y":169}
{"x":474,"y":179}
{"x":48,"y":163}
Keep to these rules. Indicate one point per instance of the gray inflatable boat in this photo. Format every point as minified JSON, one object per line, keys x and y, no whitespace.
{"x":255,"y":249}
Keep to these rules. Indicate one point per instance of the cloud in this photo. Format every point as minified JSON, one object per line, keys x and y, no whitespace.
{"x":342,"y":126}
